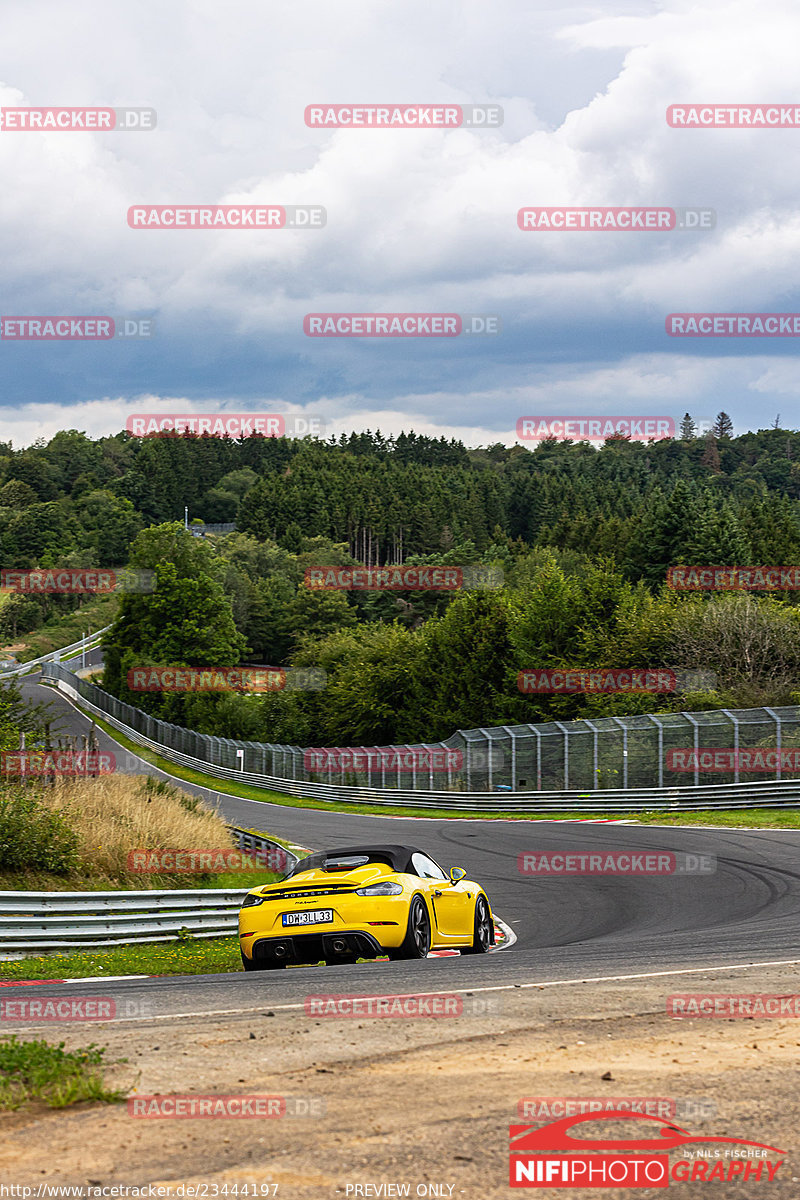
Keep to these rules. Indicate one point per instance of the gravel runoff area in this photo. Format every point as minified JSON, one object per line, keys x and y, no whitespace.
{"x":423,"y":1102}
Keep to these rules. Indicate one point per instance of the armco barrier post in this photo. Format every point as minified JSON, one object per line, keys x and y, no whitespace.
{"x":735,"y":724}
{"x":778,"y":742}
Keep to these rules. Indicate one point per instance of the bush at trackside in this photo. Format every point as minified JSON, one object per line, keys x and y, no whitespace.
{"x":33,"y":836}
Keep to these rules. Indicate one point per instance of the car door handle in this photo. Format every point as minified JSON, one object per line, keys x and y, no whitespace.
{"x":437,"y":893}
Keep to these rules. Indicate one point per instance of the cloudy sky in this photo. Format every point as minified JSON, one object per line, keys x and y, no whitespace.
{"x":417,"y":220}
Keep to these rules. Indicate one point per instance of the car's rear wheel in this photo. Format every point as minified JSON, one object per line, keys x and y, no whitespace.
{"x":417,"y":941}
{"x":482,"y":930}
{"x":262,"y":964}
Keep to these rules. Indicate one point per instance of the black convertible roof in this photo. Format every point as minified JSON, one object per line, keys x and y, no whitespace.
{"x":397,"y":857}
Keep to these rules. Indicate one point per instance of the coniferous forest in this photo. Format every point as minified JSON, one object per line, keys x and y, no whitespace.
{"x":583,"y":536}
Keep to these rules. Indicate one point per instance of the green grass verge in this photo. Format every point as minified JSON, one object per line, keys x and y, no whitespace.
{"x":201,"y":956}
{"x":194,"y":956}
{"x":249,"y":792}
{"x":41,"y":881}
{"x":63,"y":631}
{"x":774,"y":818}
{"x":748,"y":818}
{"x":57,"y":1077}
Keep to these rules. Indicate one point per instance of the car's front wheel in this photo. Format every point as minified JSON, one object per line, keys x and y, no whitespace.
{"x":417,"y":941}
{"x":482,"y":930}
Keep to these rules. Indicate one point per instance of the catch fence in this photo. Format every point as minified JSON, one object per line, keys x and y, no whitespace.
{"x":602,"y":755}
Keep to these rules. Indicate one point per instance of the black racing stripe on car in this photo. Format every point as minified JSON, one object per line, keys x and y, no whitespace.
{"x":292,"y":895}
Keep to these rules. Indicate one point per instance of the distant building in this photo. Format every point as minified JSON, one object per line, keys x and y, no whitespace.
{"x":203,"y":530}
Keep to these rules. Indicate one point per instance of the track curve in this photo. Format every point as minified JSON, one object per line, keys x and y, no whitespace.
{"x":567,"y":928}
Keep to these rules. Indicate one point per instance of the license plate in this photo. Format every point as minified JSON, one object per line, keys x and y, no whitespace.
{"x":314,"y":916}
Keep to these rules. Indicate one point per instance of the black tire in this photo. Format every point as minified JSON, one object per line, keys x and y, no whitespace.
{"x":263,"y":964}
{"x":417,"y":941}
{"x":482,"y":929}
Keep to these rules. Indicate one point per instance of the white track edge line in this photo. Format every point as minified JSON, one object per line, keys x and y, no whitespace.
{"x":504,"y":987}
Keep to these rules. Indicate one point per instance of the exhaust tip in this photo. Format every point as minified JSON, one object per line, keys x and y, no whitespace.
{"x":280,"y":952}
{"x":340,"y":946}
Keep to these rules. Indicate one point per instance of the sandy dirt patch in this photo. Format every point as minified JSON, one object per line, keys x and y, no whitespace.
{"x":425,"y":1103}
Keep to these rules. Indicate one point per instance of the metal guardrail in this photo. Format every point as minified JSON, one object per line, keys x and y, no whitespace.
{"x":251,"y":842}
{"x":639,"y":753}
{"x":87,"y":643}
{"x":783,"y":793}
{"x":34,"y":921}
{"x":40,"y":921}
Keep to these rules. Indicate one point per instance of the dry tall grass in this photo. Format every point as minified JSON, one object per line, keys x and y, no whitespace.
{"x":115,"y":814}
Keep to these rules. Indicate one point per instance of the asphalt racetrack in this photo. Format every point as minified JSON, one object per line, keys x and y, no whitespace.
{"x":578,"y":928}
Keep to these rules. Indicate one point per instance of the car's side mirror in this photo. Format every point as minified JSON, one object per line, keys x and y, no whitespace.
{"x":457,"y":874}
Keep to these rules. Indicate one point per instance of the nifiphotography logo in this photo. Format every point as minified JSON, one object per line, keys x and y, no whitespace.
{"x":550,"y":1156}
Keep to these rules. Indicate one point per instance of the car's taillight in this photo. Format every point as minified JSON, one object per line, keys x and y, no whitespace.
{"x":387,"y":888}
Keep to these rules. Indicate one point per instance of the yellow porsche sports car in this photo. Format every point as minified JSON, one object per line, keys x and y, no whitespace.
{"x":363,"y":902}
